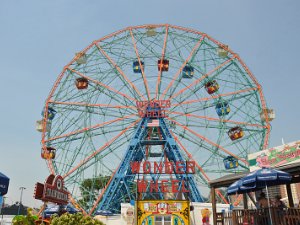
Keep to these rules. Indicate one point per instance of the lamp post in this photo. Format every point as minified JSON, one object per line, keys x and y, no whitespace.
{"x":21,"y":188}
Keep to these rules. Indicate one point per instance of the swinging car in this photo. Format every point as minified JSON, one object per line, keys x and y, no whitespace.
{"x":235,"y":133}
{"x":222,"y":51}
{"x":222,"y":108}
{"x":81,"y":58}
{"x":188,"y":72}
{"x":82,"y":83}
{"x":151,"y":32}
{"x":270,"y":114}
{"x":230,"y":162}
{"x":136,"y":66}
{"x":39,"y":126}
{"x":163,"y":65}
{"x":48,"y":153}
{"x":211,"y":87}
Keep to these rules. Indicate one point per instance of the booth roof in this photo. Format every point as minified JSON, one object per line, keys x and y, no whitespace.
{"x":226,"y":181}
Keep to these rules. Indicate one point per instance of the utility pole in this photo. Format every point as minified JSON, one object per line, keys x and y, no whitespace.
{"x":21,"y":188}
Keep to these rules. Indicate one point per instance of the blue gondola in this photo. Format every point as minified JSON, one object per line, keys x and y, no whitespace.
{"x":51,"y":113}
{"x":136,"y":66}
{"x":222,"y":109}
{"x":230,"y":162}
{"x":188,"y":72}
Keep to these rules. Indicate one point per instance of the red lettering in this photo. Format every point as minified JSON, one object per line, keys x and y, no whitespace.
{"x":179,"y":168}
{"x":154,"y":113}
{"x":154,"y":186}
{"x":158,"y":167}
{"x":142,"y":185}
{"x":175,"y":186}
{"x":190,"y":167}
{"x":169,"y":167}
{"x":164,"y":187}
{"x":148,"y":113}
{"x":147,"y":167}
{"x":183,"y":188}
{"x":135,"y":167}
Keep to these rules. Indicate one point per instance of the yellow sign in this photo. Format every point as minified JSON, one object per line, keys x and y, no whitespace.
{"x":150,"y":211}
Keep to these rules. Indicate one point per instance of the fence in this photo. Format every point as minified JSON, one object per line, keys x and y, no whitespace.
{"x":279,"y":216}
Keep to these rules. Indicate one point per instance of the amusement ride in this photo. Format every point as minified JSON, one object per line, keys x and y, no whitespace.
{"x":153,"y":97}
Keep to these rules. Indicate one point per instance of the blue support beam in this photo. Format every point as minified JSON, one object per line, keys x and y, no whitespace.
{"x":123,"y":182}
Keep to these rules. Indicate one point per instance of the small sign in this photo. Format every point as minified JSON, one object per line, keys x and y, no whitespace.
{"x":276,"y":156}
{"x":52,"y":191}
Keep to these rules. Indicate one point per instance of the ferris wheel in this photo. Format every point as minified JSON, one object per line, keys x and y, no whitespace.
{"x":217,"y":114}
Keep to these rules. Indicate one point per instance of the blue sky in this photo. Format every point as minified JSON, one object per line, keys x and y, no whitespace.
{"x":37,"y":38}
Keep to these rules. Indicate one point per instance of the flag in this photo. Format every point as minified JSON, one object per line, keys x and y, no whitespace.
{"x":153,"y":123}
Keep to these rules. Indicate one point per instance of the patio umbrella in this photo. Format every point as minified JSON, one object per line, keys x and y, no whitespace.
{"x":266,"y":177}
{"x":238,"y":188}
{"x":4,"y":182}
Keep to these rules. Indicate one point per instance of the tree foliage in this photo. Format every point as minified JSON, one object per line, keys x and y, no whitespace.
{"x":74,"y":219}
{"x":90,"y":189}
{"x":29,"y":219}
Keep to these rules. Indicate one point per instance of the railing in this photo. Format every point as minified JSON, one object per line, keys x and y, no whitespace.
{"x":279,"y":216}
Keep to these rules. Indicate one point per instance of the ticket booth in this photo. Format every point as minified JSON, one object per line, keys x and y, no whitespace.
{"x":162,"y":212}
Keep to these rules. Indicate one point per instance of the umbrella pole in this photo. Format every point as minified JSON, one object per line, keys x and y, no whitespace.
{"x":269,"y":204}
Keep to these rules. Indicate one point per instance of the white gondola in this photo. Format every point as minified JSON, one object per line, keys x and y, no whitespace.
{"x":81,"y":58}
{"x":222,"y":51}
{"x":270,"y":114}
{"x":39,"y":126}
{"x":151,"y":32}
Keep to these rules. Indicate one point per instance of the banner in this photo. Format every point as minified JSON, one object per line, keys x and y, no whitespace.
{"x":276,"y":156}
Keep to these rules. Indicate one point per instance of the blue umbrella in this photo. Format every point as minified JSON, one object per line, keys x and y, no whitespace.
{"x":4,"y":182}
{"x":266,"y":177}
{"x":238,"y":188}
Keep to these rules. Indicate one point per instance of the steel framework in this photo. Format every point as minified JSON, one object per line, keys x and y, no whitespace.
{"x":217,"y":111}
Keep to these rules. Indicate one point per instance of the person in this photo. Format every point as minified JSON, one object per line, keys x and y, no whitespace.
{"x":280,"y":208}
{"x":262,"y":205}
{"x":262,"y":201}
{"x":278,"y":203}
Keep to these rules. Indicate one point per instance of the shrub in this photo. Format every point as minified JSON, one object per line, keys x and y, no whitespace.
{"x":29,"y":219}
{"x":74,"y":219}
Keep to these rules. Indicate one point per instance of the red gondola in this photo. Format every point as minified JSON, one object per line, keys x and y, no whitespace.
{"x":235,"y":133}
{"x":211,"y":87}
{"x":163,"y":65}
{"x":82,"y":83}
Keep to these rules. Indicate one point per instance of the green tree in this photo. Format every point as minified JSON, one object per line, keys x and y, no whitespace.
{"x":74,"y":219}
{"x":90,"y":189}
{"x":29,"y":219}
